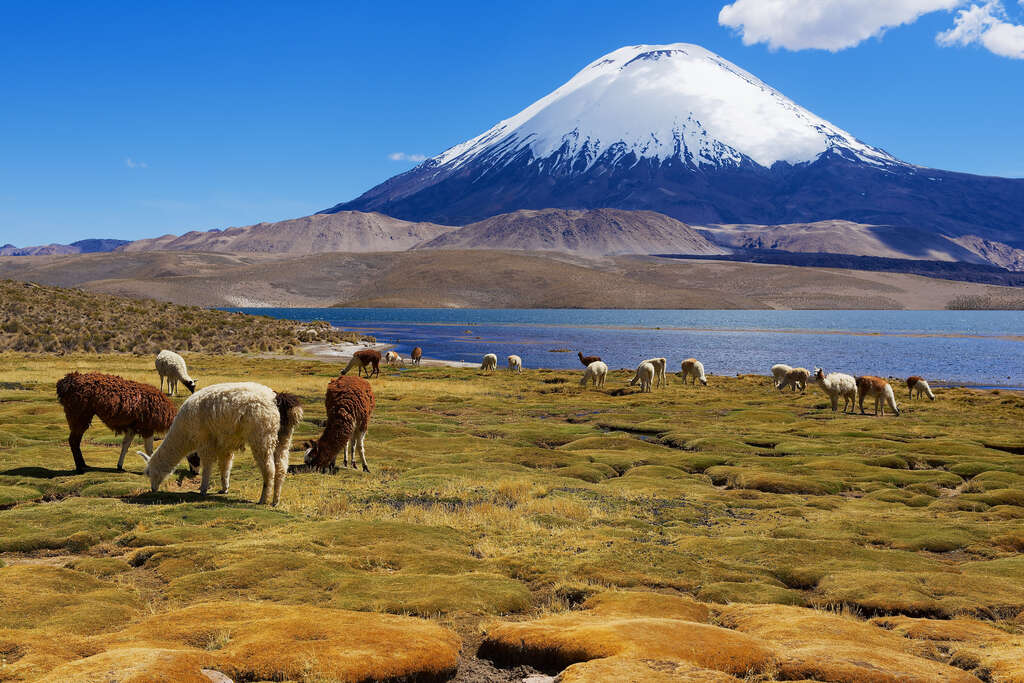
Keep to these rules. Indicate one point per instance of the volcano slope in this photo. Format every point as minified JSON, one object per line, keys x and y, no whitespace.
{"x":719,"y":533}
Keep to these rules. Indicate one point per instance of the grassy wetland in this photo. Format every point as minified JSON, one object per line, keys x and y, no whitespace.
{"x":513,"y":523}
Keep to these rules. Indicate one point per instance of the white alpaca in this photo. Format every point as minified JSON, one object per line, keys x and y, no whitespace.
{"x":515,"y":364}
{"x":596,"y":372}
{"x":172,"y":366}
{"x":693,"y":368}
{"x":835,"y":385}
{"x":796,"y":378}
{"x":392,"y":358}
{"x":917,"y":386}
{"x":222,"y":418}
{"x":645,"y":374}
{"x":779,"y":371}
{"x":659,"y":371}
{"x":490,"y":362}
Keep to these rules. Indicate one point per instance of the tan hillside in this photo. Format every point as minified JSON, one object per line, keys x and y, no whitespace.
{"x":597,"y":232}
{"x":56,"y":320}
{"x":349,"y":231}
{"x":844,"y":237}
{"x":489,"y":279}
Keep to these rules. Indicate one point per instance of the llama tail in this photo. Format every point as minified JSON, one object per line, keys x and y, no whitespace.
{"x":290,"y":408}
{"x":890,"y":399}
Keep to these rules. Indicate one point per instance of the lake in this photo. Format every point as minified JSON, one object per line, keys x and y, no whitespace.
{"x":984,"y":348}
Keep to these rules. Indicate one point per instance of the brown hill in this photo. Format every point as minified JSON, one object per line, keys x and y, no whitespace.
{"x":845,"y":237}
{"x":597,"y":232}
{"x":349,"y":231}
{"x":488,"y":279}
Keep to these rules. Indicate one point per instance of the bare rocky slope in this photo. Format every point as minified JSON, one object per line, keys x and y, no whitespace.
{"x":349,"y":231}
{"x":597,"y":232}
{"x":488,"y":279}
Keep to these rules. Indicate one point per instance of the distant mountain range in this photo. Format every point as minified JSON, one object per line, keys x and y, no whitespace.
{"x":89,"y":246}
{"x":588,"y":233}
{"x":679,"y":130}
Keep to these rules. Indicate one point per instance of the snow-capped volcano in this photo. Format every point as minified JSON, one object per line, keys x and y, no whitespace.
{"x":660,"y":102}
{"x":678,"y":130}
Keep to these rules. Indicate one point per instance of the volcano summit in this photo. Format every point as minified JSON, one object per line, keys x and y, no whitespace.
{"x":679,"y":130}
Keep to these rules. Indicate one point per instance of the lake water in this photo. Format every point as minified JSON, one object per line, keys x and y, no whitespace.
{"x":960,"y":347}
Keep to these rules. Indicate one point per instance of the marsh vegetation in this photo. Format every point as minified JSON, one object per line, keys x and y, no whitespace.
{"x":690,"y":533}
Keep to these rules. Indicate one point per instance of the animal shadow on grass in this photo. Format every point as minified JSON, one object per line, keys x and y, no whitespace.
{"x":45,"y":473}
{"x":175,"y":497}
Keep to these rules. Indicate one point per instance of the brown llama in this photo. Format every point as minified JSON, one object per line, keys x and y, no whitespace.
{"x":362,"y":359}
{"x":587,"y":360}
{"x":124,"y":406}
{"x":417,"y":354}
{"x":878,"y":389}
{"x":350,"y":404}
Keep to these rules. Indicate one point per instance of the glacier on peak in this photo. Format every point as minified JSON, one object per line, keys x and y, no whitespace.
{"x":661,"y":101}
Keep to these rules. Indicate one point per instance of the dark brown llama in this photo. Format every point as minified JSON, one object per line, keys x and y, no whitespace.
{"x":417,"y":354}
{"x":349,"y":404}
{"x":124,"y":406}
{"x":361,"y":359}
{"x":587,"y":360}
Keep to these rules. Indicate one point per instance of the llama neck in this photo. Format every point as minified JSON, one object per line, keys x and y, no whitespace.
{"x":172,"y":450}
{"x":332,"y":440}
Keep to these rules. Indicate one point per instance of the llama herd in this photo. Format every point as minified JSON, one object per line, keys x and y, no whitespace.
{"x":221,"y":419}
{"x":215,"y":422}
{"x":853,"y":390}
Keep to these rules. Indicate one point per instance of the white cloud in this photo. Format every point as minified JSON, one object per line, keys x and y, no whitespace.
{"x":402,"y":156}
{"x":988,"y":25}
{"x":835,"y":25}
{"x":831,"y":25}
{"x":131,"y":163}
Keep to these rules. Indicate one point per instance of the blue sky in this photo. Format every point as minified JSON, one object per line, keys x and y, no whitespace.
{"x":138,"y":119}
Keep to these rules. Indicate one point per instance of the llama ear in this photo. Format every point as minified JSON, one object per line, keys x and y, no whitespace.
{"x":143,"y":456}
{"x":306,"y":456}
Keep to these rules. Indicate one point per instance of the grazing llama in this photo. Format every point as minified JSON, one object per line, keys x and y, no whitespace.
{"x":417,"y":355}
{"x":392,"y":358}
{"x":660,"y":365}
{"x":779,"y":371}
{"x":362,"y":359}
{"x":172,"y":366}
{"x":596,"y":372}
{"x":645,"y":374}
{"x":796,"y":378}
{"x":693,"y":368}
{"x":490,"y":362}
{"x":869,"y":386}
{"x":350,"y":404}
{"x":124,"y":406}
{"x":515,"y":364}
{"x":221,"y":419}
{"x":917,"y":386}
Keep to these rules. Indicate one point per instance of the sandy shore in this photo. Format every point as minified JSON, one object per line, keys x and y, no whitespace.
{"x":343,"y":351}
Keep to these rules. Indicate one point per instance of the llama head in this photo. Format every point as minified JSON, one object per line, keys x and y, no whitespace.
{"x":190,"y":384}
{"x":704,"y":381}
{"x":819,"y":374}
{"x":312,"y":454}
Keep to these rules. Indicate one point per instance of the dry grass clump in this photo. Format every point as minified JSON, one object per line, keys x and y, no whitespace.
{"x":43,"y":319}
{"x":265,"y":642}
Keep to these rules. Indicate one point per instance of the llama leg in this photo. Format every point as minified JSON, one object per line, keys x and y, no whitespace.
{"x":835,"y":403}
{"x":225,"y":461}
{"x":362,"y":451}
{"x":149,"y":445}
{"x":161,"y":383}
{"x":206,"y":459}
{"x":77,"y":424}
{"x":263,"y":454}
{"x":128,"y":437}
{"x":280,"y":470}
